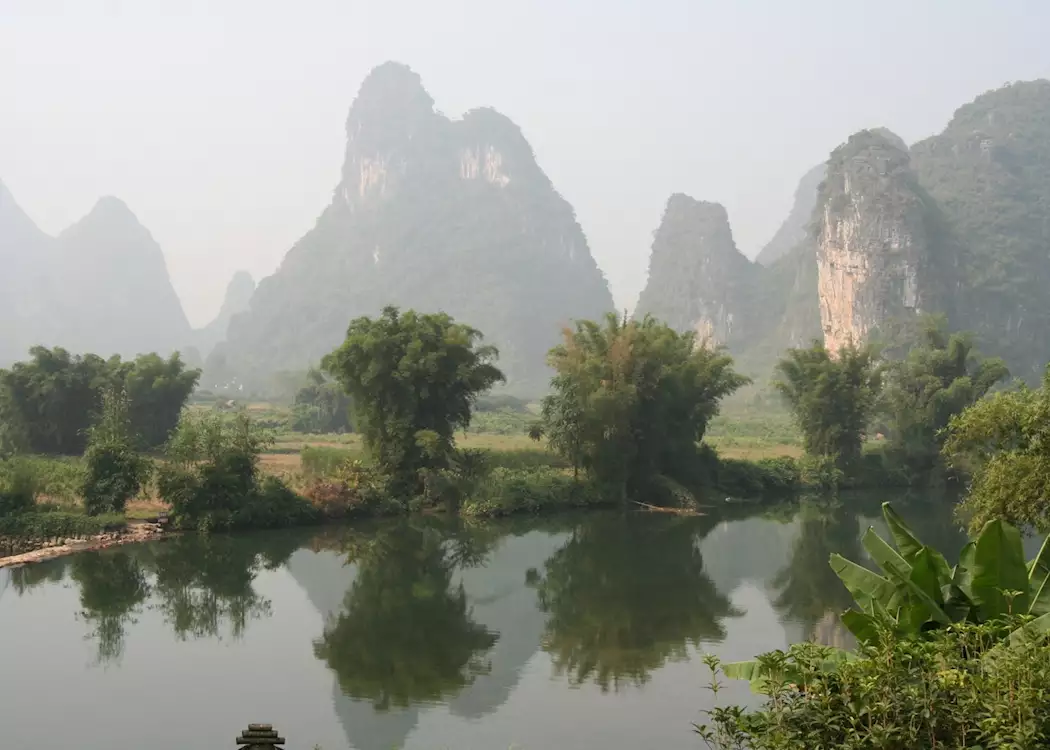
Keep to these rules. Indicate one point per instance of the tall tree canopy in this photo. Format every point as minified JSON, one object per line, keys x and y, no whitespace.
{"x":832,"y":398}
{"x":936,"y":381}
{"x":631,"y":399}
{"x":413,"y":379}
{"x":49,"y":401}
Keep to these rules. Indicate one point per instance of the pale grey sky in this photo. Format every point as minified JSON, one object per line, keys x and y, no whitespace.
{"x":220,"y":122}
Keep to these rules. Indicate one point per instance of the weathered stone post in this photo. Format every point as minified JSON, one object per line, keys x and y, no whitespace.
{"x":259,"y":737}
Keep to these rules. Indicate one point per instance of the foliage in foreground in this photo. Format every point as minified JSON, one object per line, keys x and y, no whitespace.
{"x":954,"y":689}
{"x":1004,"y":442}
{"x":630,"y":401}
{"x":413,"y":379}
{"x":917,"y":593}
{"x":832,"y":398}
{"x":212,"y":480}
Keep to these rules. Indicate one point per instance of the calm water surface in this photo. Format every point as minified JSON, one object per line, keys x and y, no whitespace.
{"x":561,"y":632}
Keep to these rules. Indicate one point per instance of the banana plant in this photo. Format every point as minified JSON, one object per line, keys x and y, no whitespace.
{"x":917,"y":591}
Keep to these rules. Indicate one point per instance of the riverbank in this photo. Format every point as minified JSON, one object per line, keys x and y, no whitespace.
{"x":135,"y":531}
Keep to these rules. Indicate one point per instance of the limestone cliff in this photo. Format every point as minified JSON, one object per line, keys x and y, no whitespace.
{"x":795,"y":228}
{"x":431,"y":214}
{"x":875,"y":253}
{"x":989,"y":171}
{"x":698,"y":279}
{"x":236,"y":300}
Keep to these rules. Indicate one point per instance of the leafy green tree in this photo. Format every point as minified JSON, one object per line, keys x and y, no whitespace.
{"x":320,"y":406}
{"x":48,"y":402}
{"x":936,"y":381}
{"x":409,"y":374}
{"x":1004,"y":442}
{"x":832,"y":397}
{"x":630,"y":401}
{"x":406,"y":634}
{"x":624,"y":596}
{"x":51,"y":399}
{"x":157,"y":390}
{"x":115,"y":471}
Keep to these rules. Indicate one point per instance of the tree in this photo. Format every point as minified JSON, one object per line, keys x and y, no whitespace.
{"x":320,"y":406}
{"x":157,"y":390}
{"x":115,"y":471}
{"x":407,"y":375}
{"x":1004,"y":443}
{"x":51,"y":400}
{"x":832,"y":398}
{"x":936,"y":381}
{"x":48,"y":402}
{"x":630,"y":401}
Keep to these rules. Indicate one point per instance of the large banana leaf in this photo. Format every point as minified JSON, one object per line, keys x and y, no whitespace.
{"x":907,"y":544}
{"x":998,"y":567}
{"x":754,"y":672}
{"x":864,"y":585}
{"x":1039,"y":581}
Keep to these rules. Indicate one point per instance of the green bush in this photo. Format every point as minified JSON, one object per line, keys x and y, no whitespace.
{"x":114,"y":474}
{"x":19,"y":486}
{"x":39,"y":527}
{"x":767,"y":476}
{"x":524,"y":459}
{"x":957,"y":689}
{"x":212,"y":479}
{"x":503,"y":492}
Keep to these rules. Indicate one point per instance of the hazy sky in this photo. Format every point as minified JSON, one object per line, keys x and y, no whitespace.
{"x":220,"y":122}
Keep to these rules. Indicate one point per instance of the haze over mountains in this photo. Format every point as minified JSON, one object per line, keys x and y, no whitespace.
{"x":457,"y":215}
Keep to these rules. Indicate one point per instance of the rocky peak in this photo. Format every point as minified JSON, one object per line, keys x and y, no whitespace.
{"x":698,"y":279}
{"x":237,"y":299}
{"x":874,"y":250}
{"x":795,"y":228}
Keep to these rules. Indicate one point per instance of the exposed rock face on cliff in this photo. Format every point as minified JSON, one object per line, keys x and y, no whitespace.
{"x":989,"y":172}
{"x":795,"y":228}
{"x":115,"y":287}
{"x":430,"y":214}
{"x":236,"y":300}
{"x":876,"y":258}
{"x":698,"y":279}
{"x":101,"y":287}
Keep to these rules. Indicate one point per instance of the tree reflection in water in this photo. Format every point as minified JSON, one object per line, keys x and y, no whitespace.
{"x":113,"y":587}
{"x":626,"y":594}
{"x":406,"y":634}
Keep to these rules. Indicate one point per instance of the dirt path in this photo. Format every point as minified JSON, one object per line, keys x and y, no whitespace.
{"x":136,"y":531}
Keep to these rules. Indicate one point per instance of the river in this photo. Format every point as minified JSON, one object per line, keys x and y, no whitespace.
{"x":555,"y":632}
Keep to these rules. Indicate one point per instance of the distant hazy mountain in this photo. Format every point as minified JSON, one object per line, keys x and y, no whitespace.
{"x":432,"y":214}
{"x":101,"y":286}
{"x":236,"y":300}
{"x":698,"y":279}
{"x":796,"y":226}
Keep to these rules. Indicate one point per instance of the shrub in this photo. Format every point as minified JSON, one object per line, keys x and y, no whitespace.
{"x":212,"y":479}
{"x":19,"y":486}
{"x":766,"y":476}
{"x":506,"y":491}
{"x":354,"y":490}
{"x":26,"y":530}
{"x":114,"y":475}
{"x":959,"y":688}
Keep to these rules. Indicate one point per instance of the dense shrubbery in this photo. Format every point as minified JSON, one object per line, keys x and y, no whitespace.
{"x":115,"y":471}
{"x":19,"y":486}
{"x":767,"y":476}
{"x":955,"y":689}
{"x":48,"y":403}
{"x":38,"y":526}
{"x":502,"y":492}
{"x":212,"y":479}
